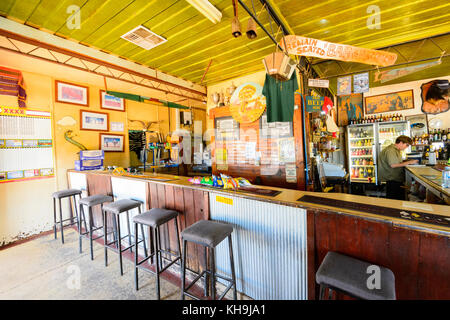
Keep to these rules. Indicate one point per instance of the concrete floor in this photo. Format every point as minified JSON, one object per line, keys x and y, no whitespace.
{"x":46,"y":269}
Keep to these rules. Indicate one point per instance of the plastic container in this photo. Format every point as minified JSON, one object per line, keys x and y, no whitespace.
{"x":446,"y":177}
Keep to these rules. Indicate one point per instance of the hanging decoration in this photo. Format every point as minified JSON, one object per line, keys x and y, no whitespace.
{"x":388,"y":75}
{"x":310,"y":47}
{"x":11,"y":84}
{"x":143,"y":99}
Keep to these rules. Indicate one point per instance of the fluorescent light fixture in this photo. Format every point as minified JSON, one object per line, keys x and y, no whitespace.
{"x":207,"y":9}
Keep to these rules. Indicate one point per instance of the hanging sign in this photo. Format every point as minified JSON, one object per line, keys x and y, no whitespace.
{"x":314,"y":103}
{"x":318,"y":83}
{"x":361,"y":82}
{"x":303,"y":46}
{"x":247,"y":103}
{"x":389,"y":75}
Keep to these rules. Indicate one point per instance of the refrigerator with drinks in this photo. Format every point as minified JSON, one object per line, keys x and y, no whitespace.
{"x":362,"y":161}
{"x":364,"y":144}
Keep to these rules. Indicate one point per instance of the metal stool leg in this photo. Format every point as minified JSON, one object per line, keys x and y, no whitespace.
{"x":75,"y":206}
{"x":105,"y":235}
{"x":61,"y":221}
{"x":91,"y":224}
{"x":136,"y":255}
{"x":82,"y":218}
{"x":119,"y":243}
{"x":54,"y":217}
{"x":158,"y":256}
{"x":183,"y":269}
{"x":233,"y":273}
{"x":321,"y":292}
{"x":129,"y":232}
{"x":143,"y":234}
{"x":213,"y":273}
{"x":207,"y":279}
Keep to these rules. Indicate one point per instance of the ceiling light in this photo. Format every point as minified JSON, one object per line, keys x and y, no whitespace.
{"x":207,"y":9}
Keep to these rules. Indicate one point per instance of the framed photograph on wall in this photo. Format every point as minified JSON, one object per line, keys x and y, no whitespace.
{"x":71,"y":93}
{"x":418,"y":124}
{"x":395,"y":101}
{"x":112,"y":142}
{"x":96,"y":121}
{"x":111,"y":102}
{"x":349,"y":107}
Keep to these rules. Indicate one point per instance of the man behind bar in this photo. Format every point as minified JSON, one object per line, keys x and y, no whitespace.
{"x":391,"y":167}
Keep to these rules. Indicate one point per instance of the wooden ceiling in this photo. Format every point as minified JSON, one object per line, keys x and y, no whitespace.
{"x":194,"y":42}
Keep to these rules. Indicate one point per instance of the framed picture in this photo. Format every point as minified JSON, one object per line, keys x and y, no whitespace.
{"x":418,"y":124}
{"x":71,"y":93}
{"x":111,"y":102}
{"x":112,"y":142}
{"x":97,"y":121}
{"x":435,"y":96}
{"x":344,"y":86}
{"x":349,"y":107}
{"x":395,"y":101}
{"x":226,"y":128}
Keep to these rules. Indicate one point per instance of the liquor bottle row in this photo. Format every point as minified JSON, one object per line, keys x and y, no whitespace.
{"x":361,"y":143}
{"x":436,"y":135}
{"x":362,"y":162}
{"x":378,"y":118}
{"x":361,"y":152}
{"x":362,"y":173}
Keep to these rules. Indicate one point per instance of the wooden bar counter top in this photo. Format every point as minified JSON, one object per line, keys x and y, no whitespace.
{"x":410,"y":238}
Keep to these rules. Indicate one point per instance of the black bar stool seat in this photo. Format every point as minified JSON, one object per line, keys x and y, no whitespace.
{"x":91,"y":201}
{"x":154,"y":218}
{"x":66,"y":193}
{"x":208,"y":234}
{"x":58,"y":195}
{"x":349,"y":275}
{"x":116,"y":208}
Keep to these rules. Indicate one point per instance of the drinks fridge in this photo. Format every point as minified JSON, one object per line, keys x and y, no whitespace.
{"x":364,"y":144}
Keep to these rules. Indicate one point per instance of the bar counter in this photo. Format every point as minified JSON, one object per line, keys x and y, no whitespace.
{"x":431,"y":179}
{"x":279,"y":241}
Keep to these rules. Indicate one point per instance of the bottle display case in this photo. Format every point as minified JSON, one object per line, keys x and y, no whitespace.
{"x":361,"y":142}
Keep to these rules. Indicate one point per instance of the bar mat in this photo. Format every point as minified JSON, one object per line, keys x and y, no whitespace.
{"x":260,"y":191}
{"x":382,"y":211}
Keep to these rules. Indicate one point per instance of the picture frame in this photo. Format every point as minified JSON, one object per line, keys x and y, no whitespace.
{"x":418,"y":124}
{"x":71,"y":93}
{"x":94,"y":121}
{"x":110,"y":102}
{"x":112,"y":142}
{"x":226,"y":128}
{"x":349,"y":107}
{"x":389,"y":102}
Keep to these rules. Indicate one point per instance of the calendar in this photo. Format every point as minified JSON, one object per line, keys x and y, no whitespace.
{"x":26,"y":145}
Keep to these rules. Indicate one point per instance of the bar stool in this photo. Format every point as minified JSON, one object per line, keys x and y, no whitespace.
{"x":60,"y":195}
{"x":208,"y":234}
{"x":154,"y":218}
{"x":116,"y":208}
{"x":90,"y":202}
{"x":349,"y":275}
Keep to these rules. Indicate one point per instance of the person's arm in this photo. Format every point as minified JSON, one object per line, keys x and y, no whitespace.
{"x":404,"y":163}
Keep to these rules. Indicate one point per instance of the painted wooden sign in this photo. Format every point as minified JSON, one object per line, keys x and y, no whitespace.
{"x":310,"y":47}
{"x":314,"y":103}
{"x":318,"y":83}
{"x":247,"y":103}
{"x":389,"y":75}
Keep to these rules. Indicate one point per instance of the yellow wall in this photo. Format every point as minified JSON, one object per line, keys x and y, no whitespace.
{"x":26,"y":206}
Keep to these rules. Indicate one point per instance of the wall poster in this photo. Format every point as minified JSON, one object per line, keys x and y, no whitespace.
{"x":349,"y":107}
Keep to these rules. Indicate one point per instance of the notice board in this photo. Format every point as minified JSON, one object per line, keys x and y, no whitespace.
{"x":26,"y":145}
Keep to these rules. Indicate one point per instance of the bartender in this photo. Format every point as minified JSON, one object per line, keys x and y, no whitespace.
{"x":391,"y":167}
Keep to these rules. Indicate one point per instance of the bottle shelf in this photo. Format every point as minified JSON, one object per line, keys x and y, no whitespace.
{"x":365,"y":156}
{"x":362,"y":147}
{"x":365,"y":138}
{"x":362,"y":166}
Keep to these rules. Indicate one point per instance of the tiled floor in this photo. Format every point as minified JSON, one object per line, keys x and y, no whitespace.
{"x":46,"y":269}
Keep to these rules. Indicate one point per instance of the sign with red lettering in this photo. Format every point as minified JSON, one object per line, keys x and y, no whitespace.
{"x":310,"y":47}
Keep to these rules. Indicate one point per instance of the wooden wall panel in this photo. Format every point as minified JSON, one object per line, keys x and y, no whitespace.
{"x":419,"y":260}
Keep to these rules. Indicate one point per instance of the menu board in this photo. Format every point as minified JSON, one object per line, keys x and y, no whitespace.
{"x":25,"y":144}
